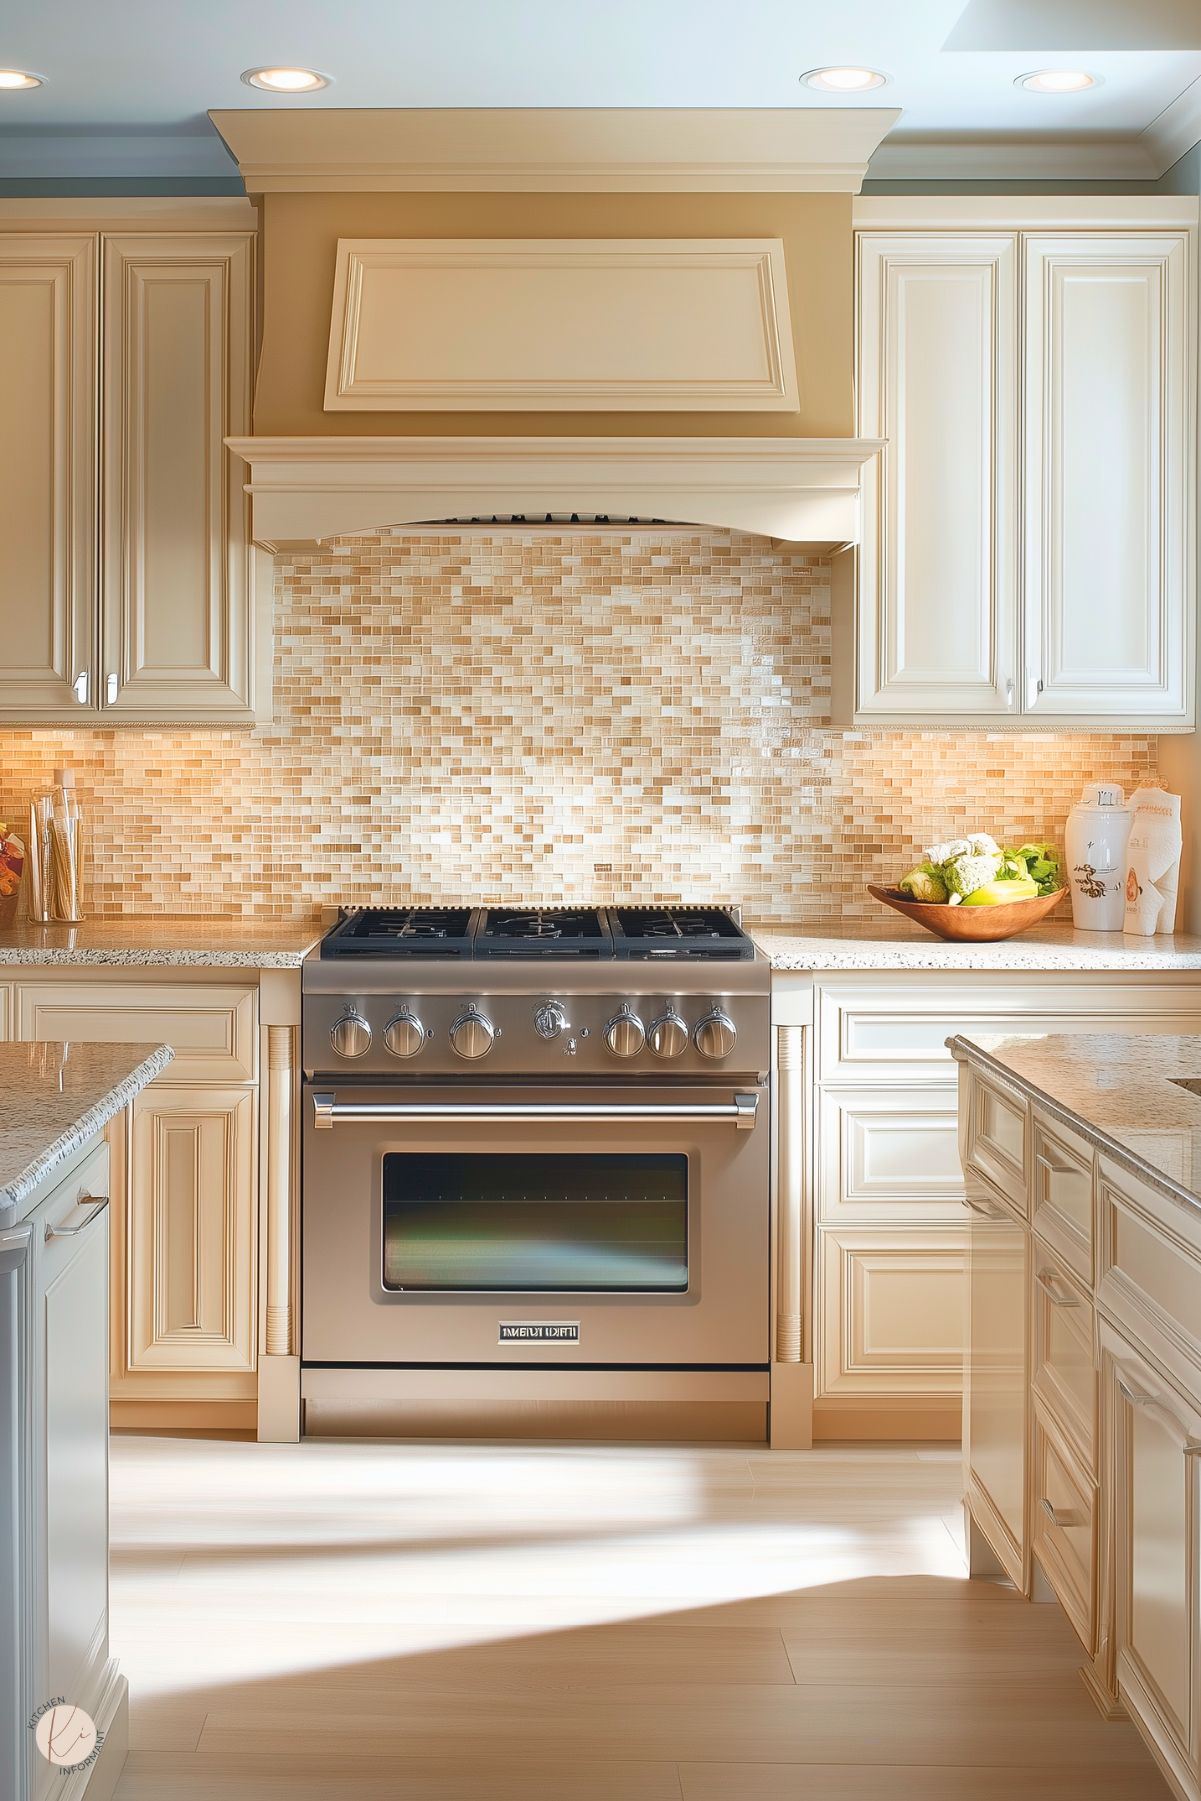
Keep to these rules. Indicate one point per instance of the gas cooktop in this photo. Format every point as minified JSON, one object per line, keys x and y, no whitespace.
{"x":529,"y":933}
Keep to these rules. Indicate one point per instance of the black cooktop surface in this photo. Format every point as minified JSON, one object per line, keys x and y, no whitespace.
{"x":532,"y":933}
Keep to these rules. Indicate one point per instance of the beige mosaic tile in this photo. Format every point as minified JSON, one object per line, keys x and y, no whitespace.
{"x":534,"y":718}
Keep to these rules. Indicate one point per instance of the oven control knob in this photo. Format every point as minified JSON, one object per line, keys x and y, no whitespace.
{"x":716,"y":1035}
{"x":550,"y":1020}
{"x":404,"y":1035}
{"x":668,"y":1036}
{"x":471,"y":1035}
{"x":625,"y":1034}
{"x":350,"y":1035}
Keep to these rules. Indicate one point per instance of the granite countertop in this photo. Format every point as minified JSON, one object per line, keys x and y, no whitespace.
{"x":883,"y":944}
{"x":1117,"y":1091}
{"x":164,"y":940}
{"x":54,"y":1097}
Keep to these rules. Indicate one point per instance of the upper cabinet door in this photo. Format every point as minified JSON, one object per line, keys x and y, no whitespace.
{"x":938,"y":379}
{"x":48,"y":473}
{"x":1107,"y":483}
{"x":176,"y":571}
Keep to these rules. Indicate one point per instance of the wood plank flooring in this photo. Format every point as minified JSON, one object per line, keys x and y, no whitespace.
{"x":466,"y":1622}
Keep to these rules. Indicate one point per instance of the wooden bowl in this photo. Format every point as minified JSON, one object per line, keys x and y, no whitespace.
{"x":971,"y":925}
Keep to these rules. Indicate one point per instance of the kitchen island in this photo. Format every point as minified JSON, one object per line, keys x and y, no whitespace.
{"x":1082,"y":1405}
{"x":56,"y":1100}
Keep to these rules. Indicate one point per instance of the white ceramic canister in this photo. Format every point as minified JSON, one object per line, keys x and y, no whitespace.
{"x":1094,"y":843}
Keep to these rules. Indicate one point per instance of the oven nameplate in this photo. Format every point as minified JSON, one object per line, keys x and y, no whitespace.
{"x":538,"y":1331}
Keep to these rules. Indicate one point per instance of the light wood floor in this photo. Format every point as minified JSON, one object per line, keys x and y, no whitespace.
{"x":355,"y":1622}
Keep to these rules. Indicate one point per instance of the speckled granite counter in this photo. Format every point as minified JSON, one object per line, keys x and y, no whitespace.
{"x":839,"y":944}
{"x":171,"y":942}
{"x":54,"y":1097}
{"x":1118,"y":1091}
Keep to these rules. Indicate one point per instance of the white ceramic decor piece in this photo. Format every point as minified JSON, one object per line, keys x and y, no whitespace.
{"x":1153,"y":861}
{"x":1095,"y":840}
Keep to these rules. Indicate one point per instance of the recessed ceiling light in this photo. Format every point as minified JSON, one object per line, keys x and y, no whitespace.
{"x":1057,"y":81}
{"x":285,"y":81}
{"x":20,"y":78}
{"x":844,"y":80}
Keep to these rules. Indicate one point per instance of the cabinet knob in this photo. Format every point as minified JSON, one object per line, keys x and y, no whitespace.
{"x":111,"y":685}
{"x":80,"y":685}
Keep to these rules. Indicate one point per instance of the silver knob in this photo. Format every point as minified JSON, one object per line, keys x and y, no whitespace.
{"x":716,"y":1035}
{"x":471,"y":1035}
{"x":550,"y":1020}
{"x":350,"y":1035}
{"x":404,"y":1035}
{"x":668,"y":1035}
{"x":625,"y":1034}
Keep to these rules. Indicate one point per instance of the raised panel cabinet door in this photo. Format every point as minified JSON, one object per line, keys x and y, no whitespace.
{"x":47,"y":474}
{"x":176,"y":568}
{"x":1107,"y":484}
{"x":1154,"y":1438}
{"x":891,"y":1311}
{"x":995,"y":1374}
{"x":890,"y":1154}
{"x":190,"y":1231}
{"x":937,"y":631}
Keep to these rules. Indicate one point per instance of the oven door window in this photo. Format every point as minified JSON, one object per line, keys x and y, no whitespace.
{"x":526,"y":1223}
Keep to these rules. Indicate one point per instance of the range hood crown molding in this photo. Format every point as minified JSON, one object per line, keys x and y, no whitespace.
{"x":306,"y":490}
{"x":815,"y":149}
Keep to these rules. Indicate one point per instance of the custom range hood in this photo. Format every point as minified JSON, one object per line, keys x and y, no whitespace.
{"x":641,"y":316}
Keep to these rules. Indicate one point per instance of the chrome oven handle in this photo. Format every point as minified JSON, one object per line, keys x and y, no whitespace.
{"x":328,"y":1111}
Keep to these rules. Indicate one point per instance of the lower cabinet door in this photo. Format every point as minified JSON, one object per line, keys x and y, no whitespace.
{"x":891,"y":1311}
{"x":1154,"y":1439}
{"x":189,"y":1243}
{"x":995,"y":1381}
{"x":69,"y":1464}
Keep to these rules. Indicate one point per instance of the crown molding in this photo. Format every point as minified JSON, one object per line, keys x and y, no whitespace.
{"x":974,"y":158}
{"x":165,"y":212}
{"x":1025,"y":212}
{"x":306,"y":490}
{"x":1176,"y":130}
{"x":554,"y":150}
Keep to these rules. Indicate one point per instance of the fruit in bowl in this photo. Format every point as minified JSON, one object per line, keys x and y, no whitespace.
{"x":974,"y":888}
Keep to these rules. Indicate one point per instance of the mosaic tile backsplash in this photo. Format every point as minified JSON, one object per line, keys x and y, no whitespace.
{"x":540,"y":718}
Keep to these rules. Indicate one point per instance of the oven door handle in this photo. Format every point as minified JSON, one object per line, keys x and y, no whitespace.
{"x":328,"y":1111}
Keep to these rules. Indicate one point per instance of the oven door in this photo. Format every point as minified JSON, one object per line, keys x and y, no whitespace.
{"x":499,"y":1225}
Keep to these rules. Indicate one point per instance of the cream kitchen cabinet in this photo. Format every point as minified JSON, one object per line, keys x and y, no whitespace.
{"x":1028,"y":536}
{"x":185,"y":1180}
{"x":1097,"y":1446}
{"x":48,"y":311}
{"x":938,"y":381}
{"x":884,"y":1264}
{"x":127,"y":567}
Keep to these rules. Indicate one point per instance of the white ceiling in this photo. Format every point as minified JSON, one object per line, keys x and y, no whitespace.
{"x":129,"y":82}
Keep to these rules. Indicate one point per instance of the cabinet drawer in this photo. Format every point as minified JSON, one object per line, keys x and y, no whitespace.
{"x":877,"y":1030}
{"x":6,"y":1012}
{"x":995,"y":1133}
{"x":1149,"y":1270}
{"x":1064,"y":1372}
{"x":71,"y":1201}
{"x":211,"y":1030}
{"x":1061,"y":1192}
{"x":1063,"y":1527}
{"x":892,"y":1310}
{"x":890,"y":1154}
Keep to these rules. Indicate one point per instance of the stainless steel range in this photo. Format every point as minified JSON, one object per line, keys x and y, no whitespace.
{"x":535,"y":1174}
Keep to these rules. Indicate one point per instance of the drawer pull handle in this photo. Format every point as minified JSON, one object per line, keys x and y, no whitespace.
{"x":1137,"y":1398}
{"x":1043,"y":1278}
{"x":98,"y":1207}
{"x":1056,"y":1518}
{"x":1058,"y":1169}
{"x":986,"y":1209}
